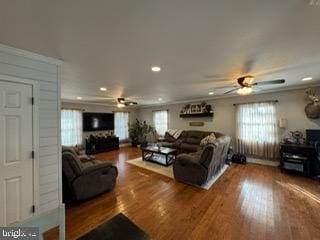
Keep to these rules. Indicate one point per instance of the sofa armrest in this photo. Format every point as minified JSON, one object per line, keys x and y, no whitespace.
{"x":179,"y":141}
{"x":188,"y":159}
{"x":86,"y":158}
{"x":97,"y":167}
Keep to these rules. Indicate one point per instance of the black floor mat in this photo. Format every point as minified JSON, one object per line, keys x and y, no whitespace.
{"x":117,"y":228}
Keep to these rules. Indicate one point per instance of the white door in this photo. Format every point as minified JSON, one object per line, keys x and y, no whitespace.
{"x":16,"y":145}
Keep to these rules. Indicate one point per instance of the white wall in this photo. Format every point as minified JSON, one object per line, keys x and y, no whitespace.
{"x":290,"y":106}
{"x":99,"y":108}
{"x":44,"y":71}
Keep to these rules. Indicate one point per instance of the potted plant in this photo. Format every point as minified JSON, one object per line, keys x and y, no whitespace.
{"x":138,"y":132}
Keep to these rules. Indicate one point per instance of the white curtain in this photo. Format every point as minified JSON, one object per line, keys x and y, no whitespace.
{"x":121,"y":122}
{"x":160,"y":121}
{"x":71,"y":127}
{"x":257,"y":130}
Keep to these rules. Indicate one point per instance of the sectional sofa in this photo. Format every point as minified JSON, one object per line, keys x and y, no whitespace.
{"x":196,"y":164}
{"x":188,"y":141}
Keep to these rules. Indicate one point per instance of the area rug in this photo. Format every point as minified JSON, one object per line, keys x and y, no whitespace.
{"x":117,"y":228}
{"x":168,"y":171}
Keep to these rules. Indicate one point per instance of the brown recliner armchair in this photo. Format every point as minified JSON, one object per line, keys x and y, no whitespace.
{"x":199,"y":167}
{"x":85,"y":179}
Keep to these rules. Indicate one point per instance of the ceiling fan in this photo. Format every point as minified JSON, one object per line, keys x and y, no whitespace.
{"x":122,"y":102}
{"x":246,"y":85}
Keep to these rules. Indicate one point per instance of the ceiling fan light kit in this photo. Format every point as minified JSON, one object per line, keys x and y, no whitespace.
{"x":120,"y":105}
{"x":244,"y":91}
{"x":246,"y":83}
{"x":122,"y":102}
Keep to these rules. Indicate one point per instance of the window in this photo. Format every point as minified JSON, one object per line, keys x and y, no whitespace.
{"x":121,"y":122}
{"x":71,"y":127}
{"x":257,"y":129}
{"x":160,"y":121}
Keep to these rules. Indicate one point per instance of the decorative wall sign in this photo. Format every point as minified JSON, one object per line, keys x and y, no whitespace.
{"x":197,"y":110}
{"x":196,"y":124}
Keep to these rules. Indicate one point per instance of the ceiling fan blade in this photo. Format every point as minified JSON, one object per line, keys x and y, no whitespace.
{"x":278,"y":81}
{"x":233,"y":90}
{"x":223,"y":87}
{"x":99,"y":97}
{"x":126,"y":102}
{"x":257,"y":89}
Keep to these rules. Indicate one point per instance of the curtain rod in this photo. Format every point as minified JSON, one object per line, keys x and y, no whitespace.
{"x":236,"y":104}
{"x":160,"y":110}
{"x":121,"y":111}
{"x":76,"y":109}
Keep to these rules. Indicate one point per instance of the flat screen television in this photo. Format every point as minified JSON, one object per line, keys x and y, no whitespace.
{"x":312,"y":136}
{"x":98,"y":121}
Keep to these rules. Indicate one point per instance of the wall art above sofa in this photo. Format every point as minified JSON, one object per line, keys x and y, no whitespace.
{"x":196,"y":110}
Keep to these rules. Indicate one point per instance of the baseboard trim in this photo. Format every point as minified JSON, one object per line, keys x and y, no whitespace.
{"x":263,"y":162}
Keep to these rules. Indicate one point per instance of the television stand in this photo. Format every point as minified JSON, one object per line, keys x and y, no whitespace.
{"x":300,"y":158}
{"x":99,"y":144}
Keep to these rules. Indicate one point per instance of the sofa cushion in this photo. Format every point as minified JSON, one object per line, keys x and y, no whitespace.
{"x":192,"y":140}
{"x":167,"y":144}
{"x":72,"y":150}
{"x":169,"y":138}
{"x":208,"y":139}
{"x":87,"y":164}
{"x":71,"y":165}
{"x":85,"y":158}
{"x":175,"y":144}
{"x":198,"y":134}
{"x":187,"y":147}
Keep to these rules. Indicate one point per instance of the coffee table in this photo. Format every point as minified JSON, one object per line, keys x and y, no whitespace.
{"x":163,"y":155}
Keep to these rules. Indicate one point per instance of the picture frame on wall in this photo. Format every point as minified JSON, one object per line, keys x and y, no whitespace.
{"x":195,"y":108}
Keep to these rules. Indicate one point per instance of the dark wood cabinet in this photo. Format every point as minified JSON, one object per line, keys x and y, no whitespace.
{"x":300,"y":158}
{"x":99,"y":144}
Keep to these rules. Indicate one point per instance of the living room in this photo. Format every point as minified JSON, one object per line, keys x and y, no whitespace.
{"x":160,"y":120}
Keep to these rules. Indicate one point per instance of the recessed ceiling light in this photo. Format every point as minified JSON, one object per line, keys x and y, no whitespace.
{"x":211,"y":93}
{"x":159,"y":99}
{"x":103,"y":89}
{"x":155,"y":69}
{"x":79,"y":98}
{"x":314,"y":2}
{"x":307,"y":79}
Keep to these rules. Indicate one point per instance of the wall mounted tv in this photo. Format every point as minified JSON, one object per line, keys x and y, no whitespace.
{"x":98,"y":121}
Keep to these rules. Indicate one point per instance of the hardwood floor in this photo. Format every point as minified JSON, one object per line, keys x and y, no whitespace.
{"x":247,"y":202}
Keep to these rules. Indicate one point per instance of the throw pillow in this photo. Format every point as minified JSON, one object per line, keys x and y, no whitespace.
{"x":208,"y":139}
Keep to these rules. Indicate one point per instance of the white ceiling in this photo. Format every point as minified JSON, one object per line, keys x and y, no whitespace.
{"x":114,"y":43}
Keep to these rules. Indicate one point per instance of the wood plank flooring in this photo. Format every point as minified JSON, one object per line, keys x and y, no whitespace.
{"x":248,"y":202}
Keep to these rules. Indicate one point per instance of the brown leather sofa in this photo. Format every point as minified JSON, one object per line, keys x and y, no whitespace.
{"x":199,"y":167}
{"x":188,"y":141}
